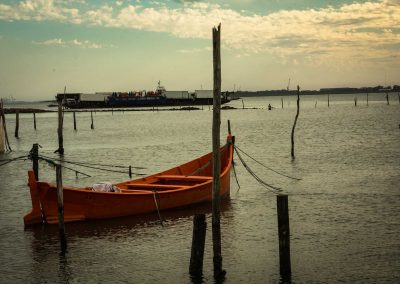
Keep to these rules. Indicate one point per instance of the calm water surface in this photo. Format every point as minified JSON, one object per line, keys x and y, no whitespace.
{"x":344,"y":213}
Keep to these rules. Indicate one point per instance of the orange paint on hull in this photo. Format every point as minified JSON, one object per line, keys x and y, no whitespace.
{"x":184,"y":185}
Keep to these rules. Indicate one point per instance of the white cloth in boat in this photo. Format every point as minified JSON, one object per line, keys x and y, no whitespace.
{"x":105,"y":187}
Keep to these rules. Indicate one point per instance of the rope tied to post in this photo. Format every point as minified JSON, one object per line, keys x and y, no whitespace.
{"x":268,"y":186}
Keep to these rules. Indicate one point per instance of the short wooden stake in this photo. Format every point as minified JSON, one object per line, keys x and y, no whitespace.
{"x":242,"y":104}
{"x":229,"y":127}
{"x":198,"y":241}
{"x":34,"y":120}
{"x":60,"y":149}
{"x":91,"y":125}
{"x":387,"y":98}
{"x":130,"y":171}
{"x":282,"y":102}
{"x":367,"y":99}
{"x":74,"y":121}
{"x":355,"y":101}
{"x":16,"y":123}
{"x":284,"y":234}
{"x":328,"y":100}
{"x":60,"y":202}
{"x":35,"y":160}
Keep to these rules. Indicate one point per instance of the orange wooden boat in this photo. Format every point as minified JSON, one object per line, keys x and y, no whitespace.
{"x":183,"y":185}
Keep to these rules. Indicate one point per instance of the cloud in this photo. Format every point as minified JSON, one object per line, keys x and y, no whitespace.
{"x":72,"y":43}
{"x":351,"y":32}
{"x":196,"y":50}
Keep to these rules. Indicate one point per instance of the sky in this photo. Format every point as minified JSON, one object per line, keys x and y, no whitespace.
{"x":126,"y":45}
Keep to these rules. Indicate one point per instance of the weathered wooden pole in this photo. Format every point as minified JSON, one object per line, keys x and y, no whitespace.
{"x":282,"y":102}
{"x":367,"y":99}
{"x":355,"y":101}
{"x":92,"y":124}
{"x":60,"y":149}
{"x":198,"y":241}
{"x":16,"y":123}
{"x":216,"y":157}
{"x":35,"y":160}
{"x":229,"y":127}
{"x":3,"y":125}
{"x":295,"y":121}
{"x":60,"y":202}
{"x":284,"y":234}
{"x":74,"y":121}
{"x":242,"y":104}
{"x":34,"y":120}
{"x":387,"y":98}
{"x":130,"y":172}
{"x":328,"y":100}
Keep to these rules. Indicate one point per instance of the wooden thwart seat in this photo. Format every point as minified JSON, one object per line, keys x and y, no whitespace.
{"x":152,"y":186}
{"x":187,"y":178}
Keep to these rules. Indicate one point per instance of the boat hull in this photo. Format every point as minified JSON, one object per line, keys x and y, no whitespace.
{"x":181,"y":186}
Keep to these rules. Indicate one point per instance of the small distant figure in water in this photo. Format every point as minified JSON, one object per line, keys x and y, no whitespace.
{"x":269,"y":107}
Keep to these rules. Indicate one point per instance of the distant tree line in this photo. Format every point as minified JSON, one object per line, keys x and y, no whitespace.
{"x":283,"y":92}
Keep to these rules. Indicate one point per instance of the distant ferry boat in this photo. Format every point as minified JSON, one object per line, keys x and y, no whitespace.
{"x":160,"y":97}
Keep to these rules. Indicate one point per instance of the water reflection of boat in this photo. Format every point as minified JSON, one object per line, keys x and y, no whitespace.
{"x":180,"y":186}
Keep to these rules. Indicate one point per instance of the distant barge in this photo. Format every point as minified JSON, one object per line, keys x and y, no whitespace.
{"x":160,"y":97}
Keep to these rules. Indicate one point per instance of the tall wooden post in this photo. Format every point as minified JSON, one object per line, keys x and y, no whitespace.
{"x":216,"y":160}
{"x":60,"y":202}
{"x":198,"y":241}
{"x":34,"y":120}
{"x":60,"y":149}
{"x":35,"y":160}
{"x":16,"y":123}
{"x":284,"y":234}
{"x":74,"y":121}
{"x":295,"y":120}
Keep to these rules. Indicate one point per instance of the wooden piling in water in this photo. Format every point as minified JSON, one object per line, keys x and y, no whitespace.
{"x":74,"y":121}
{"x":367,"y":99}
{"x":355,"y":101}
{"x":60,"y":149}
{"x":198,"y":241}
{"x":3,"y":125}
{"x":387,"y":98}
{"x":282,"y":102}
{"x":35,"y":160}
{"x":284,"y":234}
{"x":16,"y":123}
{"x":216,"y":160}
{"x":295,"y":121}
{"x":328,"y":100}
{"x":60,"y":202}
{"x":34,"y":120}
{"x":92,"y":124}
{"x":242,"y":104}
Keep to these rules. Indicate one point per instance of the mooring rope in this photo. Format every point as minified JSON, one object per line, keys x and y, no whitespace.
{"x":86,"y":165}
{"x":257,"y":178}
{"x":158,"y":210}
{"x":7,"y":161}
{"x":279,"y":173}
{"x":95,"y":164}
{"x":234,"y":172}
